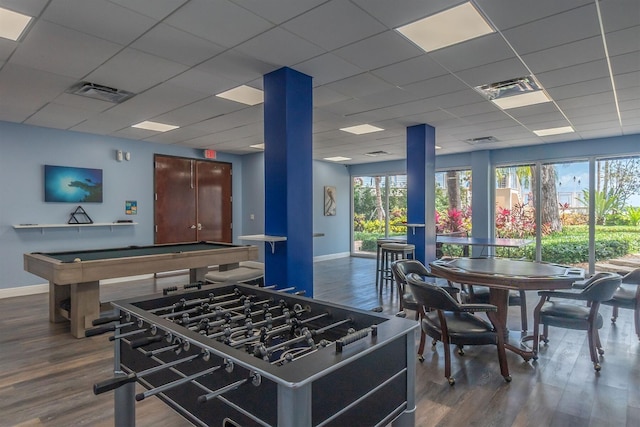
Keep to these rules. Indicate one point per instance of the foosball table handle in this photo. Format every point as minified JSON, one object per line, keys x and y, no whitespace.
{"x":112,"y":383}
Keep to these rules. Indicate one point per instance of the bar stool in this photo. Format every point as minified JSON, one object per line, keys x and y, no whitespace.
{"x":379,"y":244}
{"x":392,"y":252}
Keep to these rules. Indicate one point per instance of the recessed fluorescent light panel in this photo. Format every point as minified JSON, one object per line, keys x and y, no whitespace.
{"x":361,"y":129}
{"x":258,"y":146}
{"x":12,"y":24}
{"x":452,"y":26}
{"x":554,"y":131}
{"x":514,"y":93}
{"x":244,"y":94}
{"x":337,"y":159}
{"x":158,"y":127}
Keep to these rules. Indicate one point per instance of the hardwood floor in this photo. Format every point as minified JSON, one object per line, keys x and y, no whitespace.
{"x":46,"y":375}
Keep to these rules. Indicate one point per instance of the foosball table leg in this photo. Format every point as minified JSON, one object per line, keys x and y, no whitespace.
{"x":124,"y":407}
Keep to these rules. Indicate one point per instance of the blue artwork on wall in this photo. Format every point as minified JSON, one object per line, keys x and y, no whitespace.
{"x":72,"y":185}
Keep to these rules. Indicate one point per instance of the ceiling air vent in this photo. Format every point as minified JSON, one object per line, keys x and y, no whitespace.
{"x":103,"y":93}
{"x":376,"y":153}
{"x":482,"y":140}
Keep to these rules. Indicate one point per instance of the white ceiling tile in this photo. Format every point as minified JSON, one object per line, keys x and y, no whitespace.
{"x":286,"y":9}
{"x":566,"y":55}
{"x":58,"y":116}
{"x":410,"y":71}
{"x":327,"y":68}
{"x":582,"y":88}
{"x":176,"y":45}
{"x":237,"y":67}
{"x":492,"y":73}
{"x":325,"y":96}
{"x":50,"y":47}
{"x":82,"y":103}
{"x":359,"y":85}
{"x":623,"y":41}
{"x":156,"y":101}
{"x":6,"y":48}
{"x":104,"y":123}
{"x":135,"y":71}
{"x":619,"y":14}
{"x":177,"y":135}
{"x":219,"y":21}
{"x":399,"y":12}
{"x":512,"y":13}
{"x":202,"y":81}
{"x":204,"y":109}
{"x":556,"y":30}
{"x":268,"y":47}
{"x":577,"y":73}
{"x":28,"y":89}
{"x":626,"y":63}
{"x":334,"y":24}
{"x":379,"y":51}
{"x":157,"y":9}
{"x":483,"y":50}
{"x":26,"y":7}
{"x":99,"y":18}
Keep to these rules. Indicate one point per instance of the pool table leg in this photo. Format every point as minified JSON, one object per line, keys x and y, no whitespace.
{"x":57,"y":294}
{"x":198,"y":274}
{"x":85,"y":306}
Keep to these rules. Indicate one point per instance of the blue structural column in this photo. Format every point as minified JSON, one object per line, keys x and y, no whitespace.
{"x":421,"y":155}
{"x":288,"y":114}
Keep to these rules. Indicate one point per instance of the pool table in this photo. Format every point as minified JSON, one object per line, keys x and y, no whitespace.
{"x":76,"y":275}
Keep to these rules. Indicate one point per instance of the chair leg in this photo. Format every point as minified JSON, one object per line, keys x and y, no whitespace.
{"x":447,"y":363}
{"x":637,"y":318}
{"x":423,"y":338}
{"x":614,"y":314}
{"x":592,"y":349}
{"x":598,"y":343}
{"x":523,"y":311}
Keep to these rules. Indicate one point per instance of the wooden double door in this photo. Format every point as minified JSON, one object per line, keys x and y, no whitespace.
{"x":193,"y":200}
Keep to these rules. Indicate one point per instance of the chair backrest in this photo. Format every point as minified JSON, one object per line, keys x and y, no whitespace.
{"x":430,"y":295}
{"x":601,"y":286}
{"x":402,"y":267}
{"x":632,"y":277}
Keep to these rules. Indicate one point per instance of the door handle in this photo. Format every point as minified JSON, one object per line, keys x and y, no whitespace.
{"x":199,"y":226}
{"x":192,"y":227}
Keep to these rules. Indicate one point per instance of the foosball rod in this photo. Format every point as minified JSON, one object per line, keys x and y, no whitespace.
{"x":176,"y":383}
{"x":113,"y":383}
{"x":217,"y":309}
{"x":276,"y":330}
{"x":253,"y":376}
{"x":197,"y":301}
{"x":306,"y":336}
{"x":196,"y":308}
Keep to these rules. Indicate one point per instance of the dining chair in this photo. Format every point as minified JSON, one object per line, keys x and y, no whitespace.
{"x":627,"y":296}
{"x":566,"y":309}
{"x":400,"y":269}
{"x":445,"y":319}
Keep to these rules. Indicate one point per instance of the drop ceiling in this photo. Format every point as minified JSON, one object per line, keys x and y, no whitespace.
{"x":175,"y":55}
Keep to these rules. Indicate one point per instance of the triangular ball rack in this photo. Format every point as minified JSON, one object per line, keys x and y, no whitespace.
{"x":79,"y":216}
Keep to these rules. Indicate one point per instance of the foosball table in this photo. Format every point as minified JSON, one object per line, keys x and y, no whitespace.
{"x":240,"y":355}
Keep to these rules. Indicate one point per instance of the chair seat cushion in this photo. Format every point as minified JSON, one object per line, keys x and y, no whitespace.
{"x":571,"y":316}
{"x":463,"y":328}
{"x":625,"y":297}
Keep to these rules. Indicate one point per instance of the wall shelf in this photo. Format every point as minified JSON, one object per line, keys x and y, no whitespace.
{"x":42,"y":227}
{"x":264,"y":238}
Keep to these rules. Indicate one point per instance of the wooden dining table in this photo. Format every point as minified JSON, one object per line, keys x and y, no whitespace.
{"x":501,"y":275}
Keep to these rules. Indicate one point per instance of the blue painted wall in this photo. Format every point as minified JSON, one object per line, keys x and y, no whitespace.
{"x":23,"y":152}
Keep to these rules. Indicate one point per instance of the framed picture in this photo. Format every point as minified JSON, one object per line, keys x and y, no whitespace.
{"x":67,"y":184}
{"x":329,"y":201}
